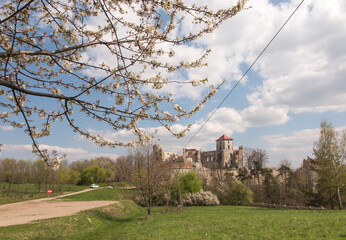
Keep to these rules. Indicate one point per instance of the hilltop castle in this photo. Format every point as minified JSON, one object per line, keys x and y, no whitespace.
{"x":225,"y":155}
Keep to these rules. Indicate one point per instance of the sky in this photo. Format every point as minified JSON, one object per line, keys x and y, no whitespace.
{"x":278,"y":106}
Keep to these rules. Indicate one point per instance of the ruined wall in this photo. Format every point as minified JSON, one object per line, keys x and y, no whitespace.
{"x":191,"y":155}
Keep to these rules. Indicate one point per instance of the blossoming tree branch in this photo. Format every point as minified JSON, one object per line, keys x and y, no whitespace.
{"x":49,"y":70}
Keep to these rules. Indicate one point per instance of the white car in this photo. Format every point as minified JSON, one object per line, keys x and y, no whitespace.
{"x":94,"y":186}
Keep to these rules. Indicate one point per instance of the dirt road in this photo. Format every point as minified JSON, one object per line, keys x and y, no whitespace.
{"x":25,"y":212}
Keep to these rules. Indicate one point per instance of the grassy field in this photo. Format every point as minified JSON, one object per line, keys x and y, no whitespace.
{"x":23,"y":192}
{"x":109,"y":194}
{"x":126,"y":220}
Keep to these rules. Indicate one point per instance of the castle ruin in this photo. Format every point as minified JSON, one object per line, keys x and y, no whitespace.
{"x":224,"y":156}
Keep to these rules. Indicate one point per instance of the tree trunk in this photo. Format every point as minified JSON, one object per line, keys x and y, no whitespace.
{"x":339,"y":198}
{"x":9,"y":188}
{"x":331,"y":200}
{"x":149,"y":212}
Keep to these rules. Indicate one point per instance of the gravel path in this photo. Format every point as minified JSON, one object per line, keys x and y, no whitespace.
{"x":28,"y":211}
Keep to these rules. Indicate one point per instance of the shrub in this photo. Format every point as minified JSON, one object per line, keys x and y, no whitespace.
{"x":235,"y":194}
{"x":201,"y":199}
{"x":190,"y":182}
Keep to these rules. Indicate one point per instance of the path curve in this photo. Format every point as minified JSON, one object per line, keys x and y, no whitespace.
{"x":44,"y":208}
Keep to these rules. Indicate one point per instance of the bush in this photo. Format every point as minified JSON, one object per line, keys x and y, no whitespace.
{"x":190,"y":182}
{"x":201,"y":199}
{"x":236,"y":194}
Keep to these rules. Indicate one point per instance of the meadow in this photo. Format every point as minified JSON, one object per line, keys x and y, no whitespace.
{"x":23,"y":192}
{"x":126,"y":220}
{"x":107,"y":194}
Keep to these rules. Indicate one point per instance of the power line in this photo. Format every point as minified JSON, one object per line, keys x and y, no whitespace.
{"x":242,"y":77}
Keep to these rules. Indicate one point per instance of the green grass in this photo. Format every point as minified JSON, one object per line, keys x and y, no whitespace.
{"x":122,"y":184}
{"x":23,"y":192}
{"x":109,"y":194}
{"x":128,"y":221}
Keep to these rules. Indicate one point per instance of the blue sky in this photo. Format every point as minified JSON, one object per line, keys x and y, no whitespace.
{"x":299,"y":81}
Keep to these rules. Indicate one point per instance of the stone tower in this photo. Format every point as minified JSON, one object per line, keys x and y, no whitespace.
{"x":241,"y":160}
{"x":224,"y":150}
{"x":158,"y":152}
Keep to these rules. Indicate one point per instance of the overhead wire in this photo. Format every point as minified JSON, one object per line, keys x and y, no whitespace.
{"x":242,"y":77}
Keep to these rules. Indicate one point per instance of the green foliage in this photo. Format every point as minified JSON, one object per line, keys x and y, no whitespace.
{"x":243,"y":175}
{"x":329,"y":164}
{"x":236,"y":194}
{"x":74,"y":176}
{"x":95,"y":174}
{"x":271,"y":188}
{"x":189,"y":182}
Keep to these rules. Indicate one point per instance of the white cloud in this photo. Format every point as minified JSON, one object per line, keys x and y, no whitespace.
{"x":6,"y":128}
{"x":304,"y":69}
{"x":294,"y":147}
{"x":224,"y":121}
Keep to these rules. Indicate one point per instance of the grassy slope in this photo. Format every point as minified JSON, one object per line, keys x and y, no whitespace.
{"x":228,"y":222}
{"x":112,"y":194}
{"x":128,"y":221}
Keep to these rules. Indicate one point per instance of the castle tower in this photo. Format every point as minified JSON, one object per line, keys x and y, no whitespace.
{"x":158,"y":152}
{"x":224,"y":150}
{"x":241,"y":162}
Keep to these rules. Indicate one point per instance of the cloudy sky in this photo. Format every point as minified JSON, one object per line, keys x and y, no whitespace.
{"x":300,"y":80}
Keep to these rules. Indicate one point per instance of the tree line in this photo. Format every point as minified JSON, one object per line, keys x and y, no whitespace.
{"x":83,"y":172}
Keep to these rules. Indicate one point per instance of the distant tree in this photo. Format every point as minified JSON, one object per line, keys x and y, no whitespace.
{"x":285,"y":173}
{"x":243,"y":175}
{"x":296,"y":195}
{"x":124,"y":169}
{"x":220,"y":180}
{"x":47,"y":53}
{"x":9,"y":169}
{"x":271,"y":189}
{"x":74,"y":177}
{"x":258,"y":159}
{"x":95,"y":174}
{"x":24,"y":172}
{"x":151,"y":176}
{"x":39,"y":173}
{"x":228,"y":190}
{"x":104,"y":162}
{"x":305,"y":181}
{"x":89,"y":175}
{"x":62,"y":177}
{"x":189,"y":182}
{"x":329,"y":164}
{"x":80,"y":165}
{"x":237,"y":194}
{"x":248,"y":157}
{"x":104,"y":175}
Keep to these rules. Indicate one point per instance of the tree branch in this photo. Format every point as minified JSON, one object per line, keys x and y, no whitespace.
{"x":17,"y":11}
